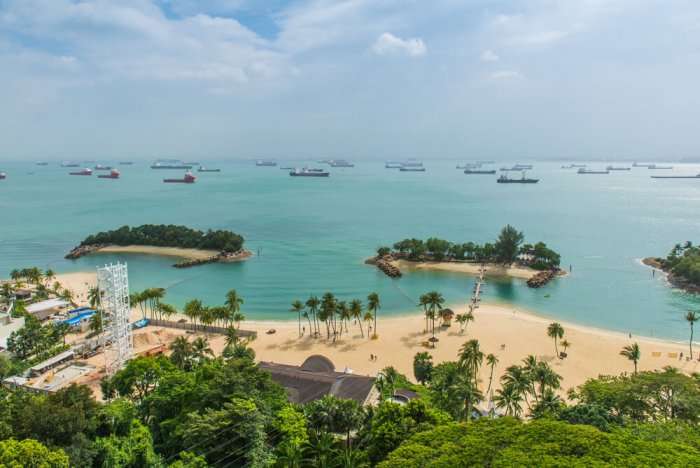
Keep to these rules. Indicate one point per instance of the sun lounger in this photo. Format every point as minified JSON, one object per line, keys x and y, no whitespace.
{"x":673,"y":355}
{"x":656,"y":354}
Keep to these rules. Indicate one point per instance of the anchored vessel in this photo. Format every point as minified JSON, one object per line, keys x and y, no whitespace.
{"x":188,"y":179}
{"x":412,"y":169}
{"x":618,"y":168}
{"x":204,"y":169}
{"x":170,"y":164}
{"x":42,"y":163}
{"x":69,"y":164}
{"x":125,"y":163}
{"x":3,"y":176}
{"x":479,"y":171}
{"x":676,"y":176}
{"x":654,"y":166}
{"x":340,"y":163}
{"x":304,"y":172}
{"x":113,"y":174}
{"x":86,"y":171}
{"x":504,"y":179}
{"x":591,"y":171}
{"x":100,"y":167}
{"x":264,"y":163}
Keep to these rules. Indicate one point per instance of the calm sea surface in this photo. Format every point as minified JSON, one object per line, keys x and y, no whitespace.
{"x":313,"y":234}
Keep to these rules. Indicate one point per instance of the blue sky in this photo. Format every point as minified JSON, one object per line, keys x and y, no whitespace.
{"x":353,"y":78}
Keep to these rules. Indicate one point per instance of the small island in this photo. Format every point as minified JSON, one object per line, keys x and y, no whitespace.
{"x":194,"y":246}
{"x":508,"y":256}
{"x":681,"y":265}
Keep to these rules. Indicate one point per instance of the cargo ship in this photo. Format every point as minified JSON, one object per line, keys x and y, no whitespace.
{"x":113,"y":174}
{"x":573,"y":166}
{"x":125,"y":163}
{"x":264,"y":163}
{"x":187,"y":179}
{"x":412,"y":163}
{"x":636,"y":164}
{"x":654,"y":166}
{"x":480,"y":171}
{"x":393,"y":165}
{"x":69,"y":164}
{"x":204,"y":169}
{"x":504,"y":179}
{"x":618,"y":168}
{"x":412,"y":169}
{"x":340,"y":163}
{"x":676,"y":176}
{"x":86,"y":172}
{"x":304,"y":172}
{"x":592,"y":171}
{"x":170,"y":165}
{"x":100,"y":167}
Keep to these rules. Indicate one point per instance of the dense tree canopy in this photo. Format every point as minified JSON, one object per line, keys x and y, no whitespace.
{"x":169,"y":235}
{"x":684,"y":262}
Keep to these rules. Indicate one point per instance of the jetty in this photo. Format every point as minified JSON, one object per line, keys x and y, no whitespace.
{"x":478,"y":289}
{"x":540,"y":279}
{"x":384,"y":263}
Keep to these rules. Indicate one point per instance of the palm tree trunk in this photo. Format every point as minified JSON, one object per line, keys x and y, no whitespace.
{"x":361,"y":330}
{"x":691,"y":340}
{"x":375,"y":321}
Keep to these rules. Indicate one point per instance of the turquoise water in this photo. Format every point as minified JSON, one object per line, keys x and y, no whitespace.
{"x":313,"y":234}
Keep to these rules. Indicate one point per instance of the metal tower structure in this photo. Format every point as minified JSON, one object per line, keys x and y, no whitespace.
{"x":113,"y":284}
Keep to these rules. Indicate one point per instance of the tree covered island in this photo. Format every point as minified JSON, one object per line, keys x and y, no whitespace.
{"x":196,"y":246}
{"x":682,"y":265}
{"x":509,"y":252}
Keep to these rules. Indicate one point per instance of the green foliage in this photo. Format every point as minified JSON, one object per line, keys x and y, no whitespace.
{"x":138,"y":379}
{"x":34,"y":339}
{"x":657,"y":396}
{"x":508,"y":244}
{"x":509,"y":442}
{"x":134,"y":450}
{"x":170,"y":235}
{"x":389,"y":424}
{"x":291,"y":424}
{"x":684,"y":262}
{"x":30,"y":454}
{"x":422,"y":367}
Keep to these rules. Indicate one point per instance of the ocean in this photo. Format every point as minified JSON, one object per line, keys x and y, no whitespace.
{"x":311,"y":235}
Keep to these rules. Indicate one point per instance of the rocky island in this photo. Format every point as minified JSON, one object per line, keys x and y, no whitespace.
{"x":507,"y":256}
{"x":681,"y":265}
{"x":194,"y":247}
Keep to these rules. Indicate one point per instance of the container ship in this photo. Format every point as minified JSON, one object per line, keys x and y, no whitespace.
{"x":480,"y":171}
{"x":504,"y":179}
{"x":618,"y":168}
{"x":592,"y":171}
{"x":264,"y":163}
{"x":187,"y":179}
{"x":85,"y":172}
{"x":204,"y":169}
{"x":113,"y":174}
{"x":309,"y":173}
{"x":170,"y":165}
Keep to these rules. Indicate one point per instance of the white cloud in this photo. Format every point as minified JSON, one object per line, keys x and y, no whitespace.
{"x":539,"y":38}
{"x":489,"y":56}
{"x":505,"y":75}
{"x":388,"y":44}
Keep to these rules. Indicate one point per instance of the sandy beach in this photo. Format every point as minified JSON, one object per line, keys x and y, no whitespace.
{"x":468,"y":268}
{"x":504,"y":330}
{"x":190,"y":254}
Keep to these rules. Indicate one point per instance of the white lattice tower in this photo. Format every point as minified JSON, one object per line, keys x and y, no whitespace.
{"x":113,"y":284}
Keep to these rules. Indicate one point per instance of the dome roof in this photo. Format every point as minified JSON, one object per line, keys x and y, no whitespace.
{"x":318,"y":363}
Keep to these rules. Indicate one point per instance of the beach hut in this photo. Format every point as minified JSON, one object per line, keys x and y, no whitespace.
{"x":44,"y":309}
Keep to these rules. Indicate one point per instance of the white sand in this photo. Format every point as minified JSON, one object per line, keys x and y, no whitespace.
{"x":468,"y":268}
{"x":191,"y":254}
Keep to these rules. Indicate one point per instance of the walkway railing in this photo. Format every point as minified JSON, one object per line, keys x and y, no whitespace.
{"x":199,"y":328}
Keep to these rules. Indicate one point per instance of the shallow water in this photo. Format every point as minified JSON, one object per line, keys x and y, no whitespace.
{"x":313,"y":233}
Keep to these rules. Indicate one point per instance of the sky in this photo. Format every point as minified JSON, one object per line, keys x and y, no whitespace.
{"x":357,"y":79}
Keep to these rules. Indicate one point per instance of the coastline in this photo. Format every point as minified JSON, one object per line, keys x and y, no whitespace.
{"x":492,"y":269}
{"x":189,"y":254}
{"x":594,"y":351}
{"x":672,"y":280}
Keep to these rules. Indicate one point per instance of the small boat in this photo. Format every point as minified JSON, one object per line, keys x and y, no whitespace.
{"x":523,"y":166}
{"x":204,"y":169}
{"x":592,"y":171}
{"x":618,"y":168}
{"x":3,"y":175}
{"x":85,"y":172}
{"x":125,"y":163}
{"x":187,"y":179}
{"x":654,"y":166}
{"x":287,"y":168}
{"x":393,"y":165}
{"x":636,"y":164}
{"x":304,"y":172}
{"x":573,"y":166}
{"x":113,"y":174}
{"x":69,"y":164}
{"x":340,"y":163}
{"x":479,"y":171}
{"x":412,"y":163}
{"x":170,"y":165}
{"x":504,"y":179}
{"x":100,"y":167}
{"x":676,"y":177}
{"x":265,"y":163}
{"x":485,"y":162}
{"x":412,"y":169}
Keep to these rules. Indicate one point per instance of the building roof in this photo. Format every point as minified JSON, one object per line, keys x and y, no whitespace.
{"x":45,"y":305}
{"x":317,"y":378}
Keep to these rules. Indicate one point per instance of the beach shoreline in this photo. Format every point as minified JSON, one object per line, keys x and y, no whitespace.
{"x":190,"y":254}
{"x":508,"y":331}
{"x":469,"y":268}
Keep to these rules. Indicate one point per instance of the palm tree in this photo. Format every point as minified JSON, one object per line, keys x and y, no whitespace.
{"x":201,"y":349}
{"x":231,"y":336}
{"x":423,"y":302}
{"x":565,"y":344}
{"x":368,"y":318}
{"x":49,"y":274}
{"x":691,"y":317}
{"x":312,"y":304}
{"x":491,"y":360}
{"x":470,"y":358}
{"x":435,"y":301}
{"x":464,"y":319}
{"x":373,"y":305}
{"x":356,"y":313}
{"x":518,"y":379}
{"x":237,"y":318}
{"x":94,"y":296}
{"x":181,"y":354}
{"x":386,"y":380}
{"x":632,"y":353}
{"x":468,"y":392}
{"x":344,"y":314}
{"x":193,"y":310}
{"x":233,"y":304}
{"x":556,"y":331}
{"x":166,"y":309}
{"x":509,"y":398}
{"x":298,"y":306}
